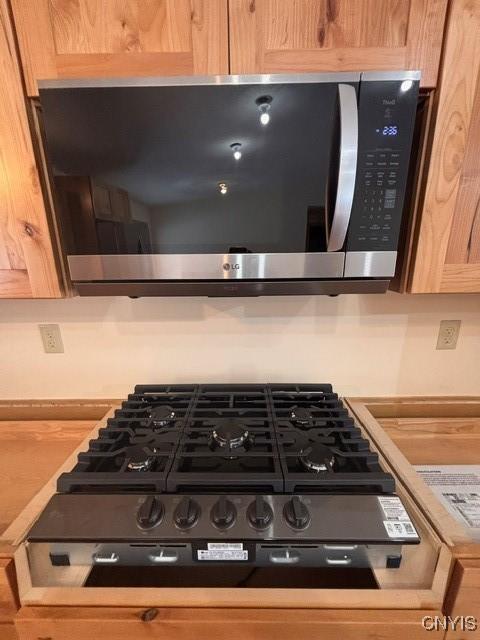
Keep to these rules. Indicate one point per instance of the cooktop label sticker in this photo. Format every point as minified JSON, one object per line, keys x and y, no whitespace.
{"x":223,"y":551}
{"x":397,"y":521}
{"x":400,"y":529}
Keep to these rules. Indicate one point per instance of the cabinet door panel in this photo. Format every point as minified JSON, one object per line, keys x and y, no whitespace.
{"x":70,"y":623}
{"x":447,"y":254}
{"x":27,"y":265}
{"x":268,"y":36}
{"x":102,"y":38}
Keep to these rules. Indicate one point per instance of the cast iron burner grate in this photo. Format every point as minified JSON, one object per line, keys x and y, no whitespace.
{"x":229,"y":439}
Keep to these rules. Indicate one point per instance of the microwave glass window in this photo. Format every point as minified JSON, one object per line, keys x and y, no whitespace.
{"x":178,"y":170}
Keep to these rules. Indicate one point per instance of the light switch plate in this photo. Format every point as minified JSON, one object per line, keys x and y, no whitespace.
{"x":448,"y":334}
{"x":51,"y":338}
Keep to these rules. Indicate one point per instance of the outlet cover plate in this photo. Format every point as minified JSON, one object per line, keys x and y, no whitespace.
{"x":448,"y":334}
{"x":51,"y":338}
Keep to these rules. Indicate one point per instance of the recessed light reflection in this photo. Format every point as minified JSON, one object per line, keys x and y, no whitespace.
{"x":264,"y":104}
{"x":235,"y":147}
{"x":406,"y":85}
{"x":265,"y":117}
{"x":222,"y":187}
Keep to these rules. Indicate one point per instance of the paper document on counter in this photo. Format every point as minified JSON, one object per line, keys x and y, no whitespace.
{"x":458,"y":489}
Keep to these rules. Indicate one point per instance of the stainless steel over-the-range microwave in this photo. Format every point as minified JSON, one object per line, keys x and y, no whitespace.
{"x":231,"y":185}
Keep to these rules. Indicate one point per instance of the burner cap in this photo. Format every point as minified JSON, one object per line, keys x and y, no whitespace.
{"x":138,"y":458}
{"x":317,"y":457}
{"x":162,"y":416}
{"x":230,"y":434}
{"x":301,"y":415}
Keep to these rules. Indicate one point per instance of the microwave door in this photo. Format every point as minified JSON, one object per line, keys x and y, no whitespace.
{"x":347,"y":165}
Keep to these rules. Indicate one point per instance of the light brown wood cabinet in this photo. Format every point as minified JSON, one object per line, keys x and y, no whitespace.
{"x":463,"y":598}
{"x":107,"y":38}
{"x":27,"y":263}
{"x":289,"y":36}
{"x":8,"y":599}
{"x":222,"y":624}
{"x":446,"y":256}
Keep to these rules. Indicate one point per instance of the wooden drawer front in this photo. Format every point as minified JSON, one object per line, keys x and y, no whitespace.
{"x":8,"y":591}
{"x":65,"y":623}
{"x":463,"y":598}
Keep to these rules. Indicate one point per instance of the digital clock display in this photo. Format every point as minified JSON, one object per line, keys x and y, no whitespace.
{"x":390,"y":130}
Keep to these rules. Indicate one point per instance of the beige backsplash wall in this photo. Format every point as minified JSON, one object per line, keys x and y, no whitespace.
{"x":364,"y":345}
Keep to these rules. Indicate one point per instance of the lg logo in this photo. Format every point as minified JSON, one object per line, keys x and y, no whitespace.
{"x":227,"y":266}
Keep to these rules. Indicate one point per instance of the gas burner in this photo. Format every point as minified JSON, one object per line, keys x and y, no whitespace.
{"x":162,"y":416}
{"x":230,"y":434}
{"x":317,"y":458}
{"x":139,"y":458}
{"x":301,"y":416}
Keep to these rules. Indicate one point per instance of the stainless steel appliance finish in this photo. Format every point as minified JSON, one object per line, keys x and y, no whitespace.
{"x":241,"y":266}
{"x":316,"y":199}
{"x":370,"y":264}
{"x":352,"y":519}
{"x":110,"y":554}
{"x":347,"y":166}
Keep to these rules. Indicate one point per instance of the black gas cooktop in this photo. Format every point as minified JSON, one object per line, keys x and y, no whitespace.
{"x":215,"y":438}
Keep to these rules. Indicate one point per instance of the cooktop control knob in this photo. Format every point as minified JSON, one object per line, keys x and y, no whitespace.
{"x":186,"y":513}
{"x":296,"y":513}
{"x":150,"y":513}
{"x":223,"y":513}
{"x":259,"y":513}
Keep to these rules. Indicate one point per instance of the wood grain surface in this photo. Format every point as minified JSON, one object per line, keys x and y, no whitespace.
{"x":448,"y":230}
{"x":30,"y":452}
{"x":436,"y":440}
{"x":432,"y":415}
{"x":25,"y":243}
{"x":72,"y":623}
{"x":105,"y":38}
{"x":268,"y":36}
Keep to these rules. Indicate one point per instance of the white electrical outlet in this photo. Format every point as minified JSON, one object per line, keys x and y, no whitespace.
{"x":448,"y":334}
{"x":51,"y":338}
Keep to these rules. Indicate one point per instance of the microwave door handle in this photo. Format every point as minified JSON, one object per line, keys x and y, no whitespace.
{"x":347,"y":166}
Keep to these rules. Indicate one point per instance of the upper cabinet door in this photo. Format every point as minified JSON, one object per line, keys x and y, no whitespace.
{"x":272,"y":36}
{"x":27,"y":265}
{"x":108,"y":38}
{"x":447,"y":247}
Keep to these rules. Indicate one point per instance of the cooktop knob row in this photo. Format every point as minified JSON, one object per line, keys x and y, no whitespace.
{"x":223,"y":513}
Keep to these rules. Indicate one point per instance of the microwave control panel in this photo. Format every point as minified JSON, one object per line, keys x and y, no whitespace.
{"x":386,"y":120}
